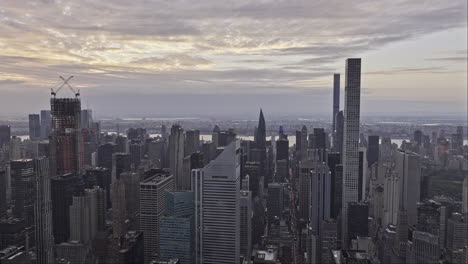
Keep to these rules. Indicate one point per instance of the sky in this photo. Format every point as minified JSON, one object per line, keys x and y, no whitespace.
{"x":211,"y":57}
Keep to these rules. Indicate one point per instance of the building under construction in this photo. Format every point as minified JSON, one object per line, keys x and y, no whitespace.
{"x":67,"y":150}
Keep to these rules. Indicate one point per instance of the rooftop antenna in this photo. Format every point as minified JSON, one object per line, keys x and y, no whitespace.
{"x":65,"y":82}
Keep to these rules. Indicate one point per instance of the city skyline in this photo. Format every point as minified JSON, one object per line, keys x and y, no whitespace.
{"x":211,"y":55}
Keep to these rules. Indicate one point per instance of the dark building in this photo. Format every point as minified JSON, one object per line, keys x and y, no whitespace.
{"x":23,"y":189}
{"x":417,"y":136}
{"x":301,"y":143}
{"x":338,"y":199}
{"x":46,"y":120}
{"x":318,"y":142}
{"x":121,"y":143}
{"x":62,"y":189}
{"x":99,"y":177}
{"x":34,"y":127}
{"x":254,"y":170}
{"x":66,"y":145}
{"x":13,"y":231}
{"x":3,"y":193}
{"x":333,"y":160}
{"x":136,"y":152}
{"x":5,"y":135}
{"x":339,"y":132}
{"x":192,"y":141}
{"x":336,"y":100}
{"x":282,"y":149}
{"x":104,"y":155}
{"x":357,"y":220}
{"x":275,"y":201}
{"x":260,"y":136}
{"x":136,"y":133}
{"x":121,"y":162}
{"x":225,"y":138}
{"x":372,"y":150}
{"x":361,"y":176}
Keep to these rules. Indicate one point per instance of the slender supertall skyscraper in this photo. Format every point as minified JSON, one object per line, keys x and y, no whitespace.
{"x":351,"y":138}
{"x":336,"y":102}
{"x":66,"y":146}
{"x":43,"y":212}
{"x":260,"y":137}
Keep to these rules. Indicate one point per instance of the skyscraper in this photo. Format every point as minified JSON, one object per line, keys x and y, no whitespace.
{"x":86,"y":118}
{"x":351,"y":138}
{"x":5,"y":135}
{"x":23,"y":189}
{"x":176,"y":157}
{"x":177,"y":227}
{"x":465,"y":197}
{"x":336,"y":104}
{"x":192,"y":141}
{"x":67,"y":151}
{"x":104,"y":155}
{"x":152,"y":206}
{"x":339,"y":130}
{"x":246,"y":224}
{"x":3,"y":193}
{"x":45,"y":124}
{"x":372,"y":150}
{"x":260,"y":136}
{"x":121,"y":162}
{"x":34,"y":127}
{"x":319,"y":195}
{"x":217,"y":193}
{"x":43,"y":212}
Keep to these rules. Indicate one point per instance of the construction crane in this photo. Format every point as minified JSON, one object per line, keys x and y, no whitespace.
{"x":65,"y":82}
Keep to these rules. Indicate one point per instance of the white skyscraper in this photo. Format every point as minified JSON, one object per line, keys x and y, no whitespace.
{"x":351,"y":139}
{"x":217,"y":208}
{"x":43,"y":212}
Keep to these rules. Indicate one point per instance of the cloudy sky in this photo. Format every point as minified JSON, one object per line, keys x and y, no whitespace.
{"x":187,"y":57}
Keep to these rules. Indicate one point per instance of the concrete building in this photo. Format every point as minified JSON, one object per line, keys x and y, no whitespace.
{"x":246,"y":213}
{"x":176,"y":157}
{"x":152,"y":206}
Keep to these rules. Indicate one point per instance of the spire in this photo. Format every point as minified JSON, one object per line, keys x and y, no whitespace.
{"x":260,"y":135}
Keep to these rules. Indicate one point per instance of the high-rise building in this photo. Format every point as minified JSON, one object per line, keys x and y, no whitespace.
{"x":136,"y":152}
{"x":176,"y":157}
{"x":328,"y":240}
{"x":152,"y":207}
{"x":121,"y":162}
{"x":339,"y":131}
{"x":260,"y":136}
{"x":336,"y":103}
{"x":84,"y":216}
{"x":358,"y":220}
{"x":465,"y":197}
{"x":177,"y":227}
{"x":3,"y":193}
{"x":104,"y":155}
{"x":66,"y":145}
{"x":192,"y":141}
{"x":417,"y":137}
{"x":301,"y":144}
{"x":125,"y":202}
{"x":457,"y":237}
{"x":351,"y":138}
{"x":86,"y":118}
{"x":5,"y":135}
{"x":62,"y":189}
{"x":318,"y":142}
{"x":275,"y":203}
{"x":23,"y":189}
{"x":43,"y":213}
{"x":246,"y":213}
{"x":408,"y":167}
{"x":305,"y":167}
{"x":424,"y":248}
{"x":46,"y":120}
{"x":217,"y":210}
{"x":372,"y":150}
{"x":99,"y":177}
{"x":319,"y":195}
{"x":34,"y":127}
{"x":333,"y":159}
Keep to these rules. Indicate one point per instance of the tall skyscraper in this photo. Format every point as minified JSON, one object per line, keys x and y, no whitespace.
{"x":260,"y":136}
{"x":104,"y":155}
{"x":465,"y":197}
{"x":177,"y":227}
{"x":336,"y":104}
{"x":3,"y":193}
{"x":23,"y":189}
{"x":319,"y":196}
{"x":86,"y":118}
{"x":46,"y":121}
{"x":176,"y":157}
{"x":372,"y":150}
{"x":351,"y":138}
{"x":339,"y":130}
{"x":192,"y":141}
{"x":301,"y":143}
{"x":121,"y":162}
{"x":152,"y":207}
{"x":67,"y":151}
{"x":358,"y":220}
{"x":62,"y":189}
{"x":34,"y":127}
{"x":5,"y":135}
{"x":217,"y":218}
{"x":43,"y":213}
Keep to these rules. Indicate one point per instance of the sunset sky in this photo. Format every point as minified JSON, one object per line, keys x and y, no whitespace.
{"x":174,"y":57}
